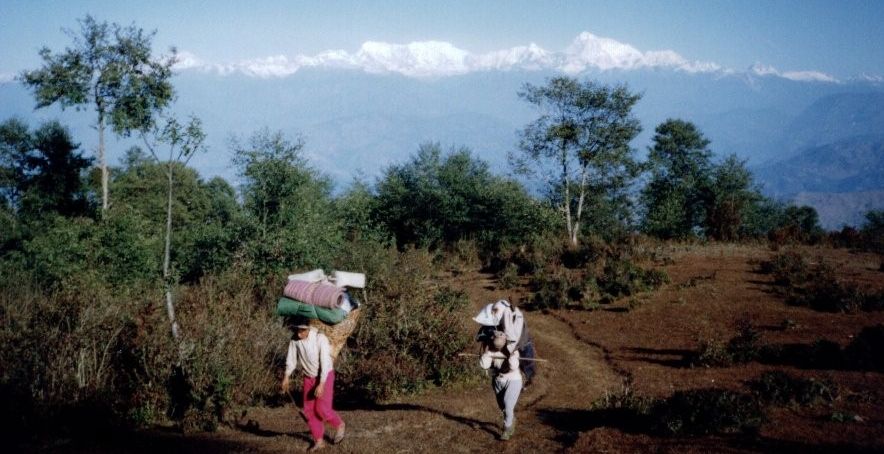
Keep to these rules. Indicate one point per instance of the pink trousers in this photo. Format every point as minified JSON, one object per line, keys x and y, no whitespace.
{"x":319,"y":411}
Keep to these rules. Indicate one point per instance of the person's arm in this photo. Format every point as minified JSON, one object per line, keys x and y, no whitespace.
{"x":514,"y":361}
{"x":291,"y":362}
{"x":325,"y":363}
{"x":485,"y":359}
{"x":513,"y":324}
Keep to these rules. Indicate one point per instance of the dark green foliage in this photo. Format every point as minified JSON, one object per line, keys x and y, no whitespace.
{"x":788,"y":268}
{"x":291,"y":218}
{"x":745,"y":346}
{"x":555,"y":288}
{"x":591,"y":273}
{"x":684,"y":413}
{"x":63,"y":247}
{"x":713,"y":353}
{"x":817,"y":287}
{"x":624,"y":278}
{"x":780,"y":388}
{"x":729,"y":200}
{"x":436,"y":200}
{"x":865,"y":351}
{"x":680,"y":170}
{"x":41,"y":172}
{"x":582,"y":138}
{"x":111,"y":69}
{"x":873,"y":232}
{"x":207,"y":220}
{"x":410,"y":331}
{"x":707,"y":411}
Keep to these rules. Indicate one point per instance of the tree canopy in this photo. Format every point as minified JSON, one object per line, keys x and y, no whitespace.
{"x":108,"y":68}
{"x":579,"y":145}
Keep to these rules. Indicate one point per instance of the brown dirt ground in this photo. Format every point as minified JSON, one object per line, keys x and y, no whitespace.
{"x":590,"y":354}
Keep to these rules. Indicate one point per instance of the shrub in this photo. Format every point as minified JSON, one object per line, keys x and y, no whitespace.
{"x":509,"y":276}
{"x":787,"y":268}
{"x":553,"y":288}
{"x":623,"y":278}
{"x":713,"y":353}
{"x":865,"y":351}
{"x":817,"y":287}
{"x":777,"y":387}
{"x":745,"y":347}
{"x":707,"y":411}
{"x":411,"y":328}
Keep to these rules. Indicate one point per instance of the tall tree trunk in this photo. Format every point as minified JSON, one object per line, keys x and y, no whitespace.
{"x":566,"y":184}
{"x":102,"y":163}
{"x":579,"y":213}
{"x":167,"y":278}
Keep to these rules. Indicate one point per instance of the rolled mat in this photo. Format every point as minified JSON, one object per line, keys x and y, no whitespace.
{"x":292,"y":308}
{"x":315,"y":293}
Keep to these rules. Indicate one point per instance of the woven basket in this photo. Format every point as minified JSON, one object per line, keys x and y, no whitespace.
{"x":337,"y":334}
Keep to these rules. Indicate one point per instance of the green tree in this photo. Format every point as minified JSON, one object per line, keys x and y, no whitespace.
{"x":680,"y":169}
{"x":108,"y":68}
{"x":873,"y":230}
{"x":435,"y":200}
{"x":207,"y":219}
{"x":293,"y":223}
{"x":729,"y":200}
{"x":579,"y":144}
{"x":183,"y":142}
{"x":41,"y":172}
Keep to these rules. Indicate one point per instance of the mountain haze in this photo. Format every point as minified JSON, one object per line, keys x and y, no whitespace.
{"x":356,"y":123}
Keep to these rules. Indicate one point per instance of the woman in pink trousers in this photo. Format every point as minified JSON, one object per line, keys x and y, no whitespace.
{"x":310,"y":352}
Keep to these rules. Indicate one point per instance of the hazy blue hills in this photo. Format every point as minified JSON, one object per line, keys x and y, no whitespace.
{"x":836,"y":117}
{"x":823,"y":136}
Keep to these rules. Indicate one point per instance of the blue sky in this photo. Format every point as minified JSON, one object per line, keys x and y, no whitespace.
{"x":816,"y":39}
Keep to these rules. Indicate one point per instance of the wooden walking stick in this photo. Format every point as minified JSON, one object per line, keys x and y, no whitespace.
{"x":500,"y":357}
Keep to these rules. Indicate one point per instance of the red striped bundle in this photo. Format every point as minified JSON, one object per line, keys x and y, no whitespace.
{"x":316,"y":293}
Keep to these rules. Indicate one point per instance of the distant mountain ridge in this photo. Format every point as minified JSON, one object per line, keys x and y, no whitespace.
{"x":357,"y":124}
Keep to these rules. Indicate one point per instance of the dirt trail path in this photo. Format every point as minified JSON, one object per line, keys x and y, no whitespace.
{"x":453,"y":421}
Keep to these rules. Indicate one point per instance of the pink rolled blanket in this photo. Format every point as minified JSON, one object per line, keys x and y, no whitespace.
{"x":316,"y":293}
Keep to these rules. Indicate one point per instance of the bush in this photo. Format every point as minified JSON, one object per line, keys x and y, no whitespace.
{"x":411,"y":328}
{"x":554,"y":289}
{"x":624,"y":278}
{"x":787,"y":268}
{"x":707,"y":411}
{"x":713,"y":353}
{"x":817,"y":287}
{"x":509,"y":276}
{"x":777,"y":387}
{"x":81,"y":352}
{"x":745,"y":347}
{"x":865,"y":351}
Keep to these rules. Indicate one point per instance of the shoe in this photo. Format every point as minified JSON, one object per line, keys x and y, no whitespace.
{"x":507,"y":433}
{"x":339,"y":433}
{"x":317,"y":445}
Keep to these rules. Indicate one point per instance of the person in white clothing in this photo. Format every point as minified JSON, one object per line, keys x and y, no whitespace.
{"x":309,"y":352}
{"x":504,"y":316}
{"x":506,"y":380}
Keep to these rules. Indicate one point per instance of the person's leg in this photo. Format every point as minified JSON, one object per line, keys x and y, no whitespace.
{"x":511,"y":396}
{"x":314,"y":421}
{"x":499,"y":388}
{"x":324,"y":409}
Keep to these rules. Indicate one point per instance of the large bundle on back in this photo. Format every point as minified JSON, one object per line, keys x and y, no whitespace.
{"x":325,"y":302}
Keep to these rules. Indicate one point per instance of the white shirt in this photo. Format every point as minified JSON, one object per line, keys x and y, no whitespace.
{"x":313,"y":354}
{"x":513,"y":323}
{"x":492,"y":359}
